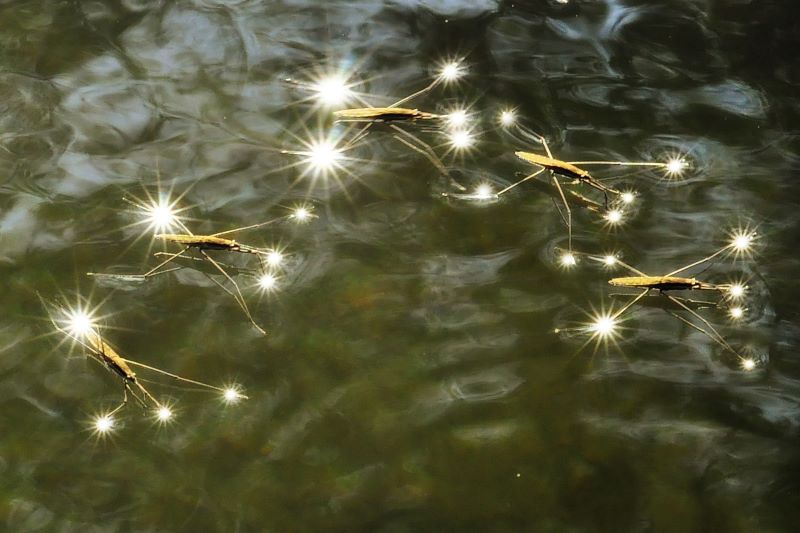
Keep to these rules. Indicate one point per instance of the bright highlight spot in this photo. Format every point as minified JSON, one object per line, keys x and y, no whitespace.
{"x":748,"y":364}
{"x":507,"y":118}
{"x":451,"y":71}
{"x":301,"y":214}
{"x":675,"y":166}
{"x":104,"y":424}
{"x":610,"y":260}
{"x":628,"y":197}
{"x":568,"y":260}
{"x":164,"y":413}
{"x":323,"y":156}
{"x":614,"y":216}
{"x":457,"y":118}
{"x":332,"y":91}
{"x":461,"y":139}
{"x":274,"y":258}
{"x":736,"y":312}
{"x":79,"y":323}
{"x":483,"y":191}
{"x":737,"y":290}
{"x":604,"y":326}
{"x":161,"y":216}
{"x":741,"y":241}
{"x":231,"y":396}
{"x":267,"y":282}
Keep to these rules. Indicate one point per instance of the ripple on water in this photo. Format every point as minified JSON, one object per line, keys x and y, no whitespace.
{"x":453,"y":271}
{"x":730,"y":96}
{"x":702,"y":156}
{"x":487,"y":385}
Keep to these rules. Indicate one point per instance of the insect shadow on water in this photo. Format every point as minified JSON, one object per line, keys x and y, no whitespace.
{"x":80,"y":327}
{"x":605,"y":325}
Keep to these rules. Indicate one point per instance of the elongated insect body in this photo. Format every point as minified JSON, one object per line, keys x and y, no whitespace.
{"x":664,"y":283}
{"x":109,"y":357}
{"x":557,"y":166}
{"x":204,"y":242}
{"x":382,"y":114}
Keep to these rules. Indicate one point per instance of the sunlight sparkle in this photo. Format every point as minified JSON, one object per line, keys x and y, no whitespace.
{"x":461,"y":139}
{"x":79,"y":323}
{"x":231,"y":395}
{"x":103,"y":424}
{"x":614,"y":216}
{"x":748,"y":364}
{"x":736,"y":312}
{"x":484,"y":191}
{"x":267,"y":281}
{"x":507,"y":118}
{"x":675,"y":166}
{"x":274,"y":258}
{"x":742,"y":241}
{"x":164,"y":414}
{"x":568,"y":260}
{"x":603,"y":326}
{"x":451,"y":71}
{"x":737,"y":290}
{"x":457,"y":118}
{"x":323,"y":156}
{"x":161,"y":216}
{"x":332,"y":90}
{"x":301,"y":214}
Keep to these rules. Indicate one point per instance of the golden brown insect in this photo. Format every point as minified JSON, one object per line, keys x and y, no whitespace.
{"x":105,"y":354}
{"x":393,"y":114}
{"x":203,"y":244}
{"x":382,"y":114}
{"x":100,"y":350}
{"x":567,"y":169}
{"x":673,"y":282}
{"x":666,"y":283}
{"x":209,"y":242}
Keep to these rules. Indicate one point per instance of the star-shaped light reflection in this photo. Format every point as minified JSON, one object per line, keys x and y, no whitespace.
{"x":332,"y":90}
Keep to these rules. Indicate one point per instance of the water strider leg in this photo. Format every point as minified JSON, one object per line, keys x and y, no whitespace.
{"x":713,"y":334}
{"x":523,"y":180}
{"x":174,"y":376}
{"x":630,"y":304}
{"x":433,"y":84}
{"x":424,"y":149}
{"x":700,"y":262}
{"x":240,"y":299}
{"x":358,"y":136}
{"x":566,"y":206}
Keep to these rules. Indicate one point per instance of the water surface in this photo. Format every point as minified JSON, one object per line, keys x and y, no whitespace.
{"x":412,"y":379}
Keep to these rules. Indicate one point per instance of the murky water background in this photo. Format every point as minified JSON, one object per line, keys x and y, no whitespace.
{"x":412,"y":379}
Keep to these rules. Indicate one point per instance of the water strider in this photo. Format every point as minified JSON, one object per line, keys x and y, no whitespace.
{"x":672,"y":281}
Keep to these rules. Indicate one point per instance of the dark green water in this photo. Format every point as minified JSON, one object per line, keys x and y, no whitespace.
{"x":412,"y":379}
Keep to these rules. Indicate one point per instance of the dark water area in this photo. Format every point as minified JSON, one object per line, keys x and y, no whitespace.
{"x":412,"y":378}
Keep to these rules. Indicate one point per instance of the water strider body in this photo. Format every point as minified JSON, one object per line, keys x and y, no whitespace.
{"x":104,"y":353}
{"x":666,"y":283}
{"x":565,"y":169}
{"x":671,"y":281}
{"x":383,"y":114}
{"x":203,"y":244}
{"x":209,"y":242}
